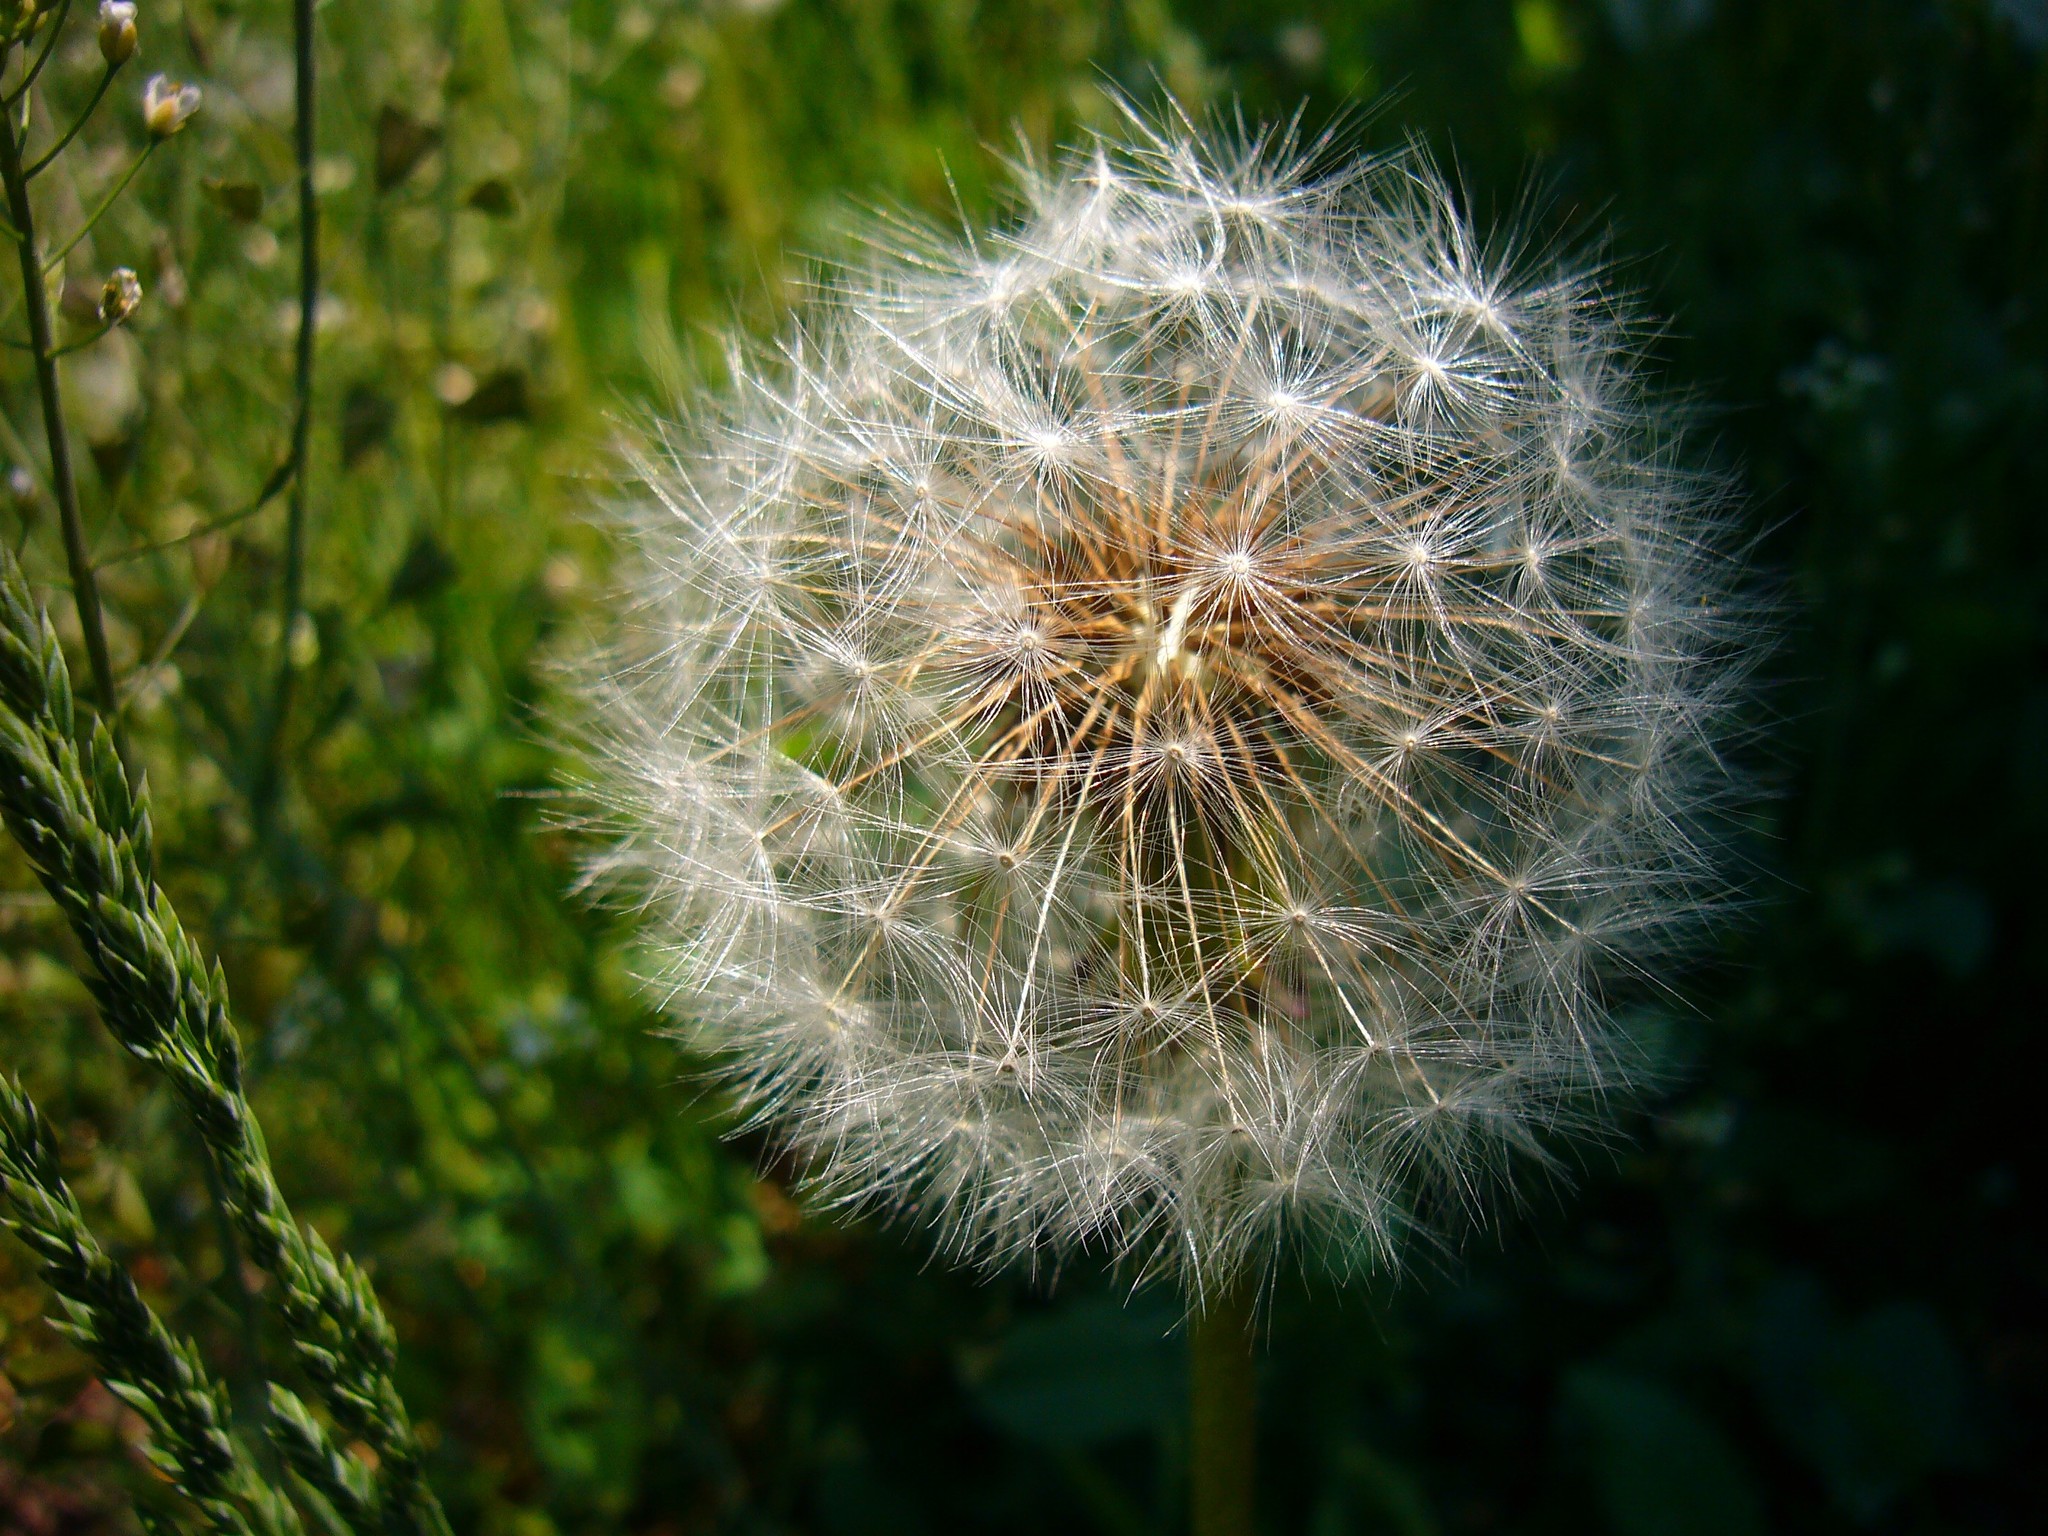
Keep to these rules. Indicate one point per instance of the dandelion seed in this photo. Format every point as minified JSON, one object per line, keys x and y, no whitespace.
{"x":1162,"y":730}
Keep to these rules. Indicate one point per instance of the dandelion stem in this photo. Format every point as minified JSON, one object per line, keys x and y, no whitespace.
{"x":63,"y":482}
{"x":1224,"y":1411}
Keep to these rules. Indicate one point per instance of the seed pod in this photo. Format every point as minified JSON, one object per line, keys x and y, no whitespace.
{"x":121,"y":296}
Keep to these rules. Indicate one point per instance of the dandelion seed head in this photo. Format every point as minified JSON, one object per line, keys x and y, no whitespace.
{"x":1166,"y":729}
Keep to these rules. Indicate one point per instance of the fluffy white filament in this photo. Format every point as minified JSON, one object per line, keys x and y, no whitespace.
{"x":1151,"y":731}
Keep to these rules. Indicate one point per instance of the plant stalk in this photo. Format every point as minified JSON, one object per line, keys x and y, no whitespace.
{"x":50,"y":34}
{"x":85,"y":589}
{"x":48,"y":156}
{"x":270,"y":768}
{"x":1224,"y":1417}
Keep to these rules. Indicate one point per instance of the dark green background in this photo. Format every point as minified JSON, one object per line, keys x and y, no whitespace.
{"x":1804,"y":1294}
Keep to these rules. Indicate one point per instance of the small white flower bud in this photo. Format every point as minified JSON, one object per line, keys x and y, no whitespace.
{"x":118,"y":36}
{"x":166,"y":105}
{"x":121,"y":297}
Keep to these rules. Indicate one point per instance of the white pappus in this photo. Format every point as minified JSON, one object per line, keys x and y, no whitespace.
{"x":1161,"y":728}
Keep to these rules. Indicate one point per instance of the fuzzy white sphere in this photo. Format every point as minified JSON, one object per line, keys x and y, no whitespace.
{"x":1157,"y":729}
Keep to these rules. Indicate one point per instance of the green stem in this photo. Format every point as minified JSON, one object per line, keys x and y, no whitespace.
{"x":227,"y":520}
{"x":85,"y":828}
{"x":269,"y":767}
{"x":152,"y":1369}
{"x":85,"y":589}
{"x":252,"y":1394}
{"x":84,"y":341}
{"x":56,"y":149}
{"x":444,"y":307}
{"x":271,"y":748}
{"x":56,"y":256}
{"x":52,"y":28}
{"x":1224,"y":1418}
{"x":56,"y":259}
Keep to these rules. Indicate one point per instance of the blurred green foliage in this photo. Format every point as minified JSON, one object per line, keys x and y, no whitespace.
{"x":1802,"y":1296}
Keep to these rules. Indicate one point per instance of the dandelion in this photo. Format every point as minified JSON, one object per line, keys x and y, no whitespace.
{"x":167,"y":105}
{"x":1164,"y":730}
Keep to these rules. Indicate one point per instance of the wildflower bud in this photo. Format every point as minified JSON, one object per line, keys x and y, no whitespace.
{"x":166,"y":105}
{"x":121,"y":296}
{"x":118,"y":37}
{"x":22,"y":489}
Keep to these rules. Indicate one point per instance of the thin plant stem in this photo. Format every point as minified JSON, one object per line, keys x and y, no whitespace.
{"x":251,"y":1391}
{"x":56,"y":258}
{"x":1224,"y":1416}
{"x":99,"y":92}
{"x":269,"y":768}
{"x":50,"y":262}
{"x":241,"y":514}
{"x":444,"y":309}
{"x":83,"y":342}
{"x":54,"y":28}
{"x":85,"y":590}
